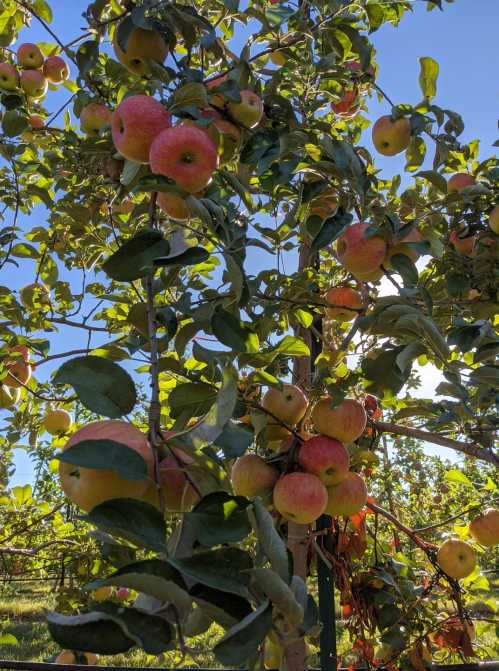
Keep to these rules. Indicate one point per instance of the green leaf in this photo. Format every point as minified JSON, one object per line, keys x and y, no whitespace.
{"x":428,"y":77}
{"x":152,"y":633}
{"x":136,"y":521}
{"x":406,"y":269}
{"x":438,"y":181}
{"x":233,"y":333}
{"x":107,"y":455}
{"x":193,"y":397}
{"x":242,"y":641}
{"x":90,"y":632}
{"x":331,"y":229}
{"x":87,"y":56}
{"x":189,"y":257}
{"x":135,"y":258}
{"x":457,"y":476}
{"x":101,"y":385}
{"x":271,"y":543}
{"x":485,"y":375}
{"x":13,"y":123}
{"x":234,"y":440}
{"x":43,"y":10}
{"x":224,"y":608}
{"x":415,"y":153}
{"x":220,"y":569}
{"x":220,"y":518}
{"x":279,"y":593}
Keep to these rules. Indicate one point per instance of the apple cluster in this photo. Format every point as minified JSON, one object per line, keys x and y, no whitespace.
{"x":314,"y":476}
{"x":32,"y":74}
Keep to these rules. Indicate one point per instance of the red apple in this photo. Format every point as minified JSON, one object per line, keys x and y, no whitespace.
{"x":94,"y":117}
{"x":122,"y":593}
{"x":464,"y":246}
{"x":345,"y":422}
{"x":391,"y":137}
{"x":456,"y":558}
{"x":348,"y":497}
{"x":348,"y":105}
{"x":485,"y":527}
{"x":33,"y":83}
{"x":9,"y":77}
{"x":288,"y":405}
{"x":401,"y":247}
{"x":325,"y":457}
{"x":56,"y":69}
{"x":251,"y":476}
{"x":186,"y":155}
{"x":29,"y":56}
{"x":460,"y":181}
{"x":36,"y":121}
{"x":300,"y":497}
{"x":249,"y":111}
{"x":178,"y":493}
{"x":136,"y":122}
{"x":359,"y":254}
{"x":341,"y":301}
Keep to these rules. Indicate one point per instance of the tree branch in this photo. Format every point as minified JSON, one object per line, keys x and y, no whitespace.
{"x":30,"y":552}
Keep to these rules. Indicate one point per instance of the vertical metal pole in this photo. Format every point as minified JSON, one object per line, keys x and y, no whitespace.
{"x":325,"y":581}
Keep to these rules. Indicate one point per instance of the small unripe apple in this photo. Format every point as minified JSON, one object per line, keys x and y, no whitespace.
{"x":485,"y":527}
{"x":56,"y":69}
{"x":94,"y":117}
{"x":341,"y":301}
{"x":494,"y":220}
{"x":33,"y":83}
{"x":300,"y":497}
{"x":57,"y":422}
{"x":186,"y":155}
{"x":391,"y":137}
{"x":9,"y":77}
{"x":251,"y":476}
{"x":136,"y":122}
{"x":359,"y":254}
{"x":288,"y":405}
{"x":456,"y":558}
{"x":29,"y":56}
{"x":249,"y":111}
{"x":325,"y":457}
{"x":345,"y":421}
{"x":460,"y":181}
{"x":143,"y":48}
{"x":348,"y":497}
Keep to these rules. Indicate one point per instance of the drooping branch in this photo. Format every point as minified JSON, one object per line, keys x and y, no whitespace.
{"x":470,"y":449}
{"x":30,"y":552}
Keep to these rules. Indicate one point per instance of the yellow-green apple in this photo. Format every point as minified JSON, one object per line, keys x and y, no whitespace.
{"x":485,"y":527}
{"x":29,"y":56}
{"x":460,"y":181}
{"x":494,"y":220}
{"x":36,"y":121}
{"x":360,"y":254}
{"x":56,"y":69}
{"x":8,"y":396}
{"x":456,"y":558}
{"x":186,"y":155}
{"x":325,"y":457}
{"x":135,"y":123}
{"x":69,"y":657}
{"x":178,"y":493}
{"x":252,"y":476}
{"x":34,"y":295}
{"x":324,"y":206}
{"x":464,"y":246}
{"x":87,"y":487}
{"x":401,"y":247}
{"x":300,"y":497}
{"x":18,"y":367}
{"x":9,"y":77}
{"x":288,"y":405}
{"x":57,"y":422}
{"x":33,"y":83}
{"x":345,"y":421}
{"x":344,"y":303}
{"x":348,"y":105}
{"x":94,"y":117}
{"x":122,"y":593}
{"x":391,"y":137}
{"x":143,"y":48}
{"x":249,"y":111}
{"x":348,"y":497}
{"x":102,"y":593}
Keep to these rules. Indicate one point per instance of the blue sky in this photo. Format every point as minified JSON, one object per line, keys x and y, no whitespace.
{"x":462,"y":39}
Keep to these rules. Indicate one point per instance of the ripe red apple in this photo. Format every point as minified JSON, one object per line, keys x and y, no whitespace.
{"x":325,"y":457}
{"x":288,"y":405}
{"x":249,"y":111}
{"x":186,"y":155}
{"x":345,"y":422}
{"x":456,"y":558}
{"x":87,"y":487}
{"x":57,"y":422}
{"x":485,"y":527}
{"x":18,"y":366}
{"x":143,"y":48}
{"x":9,"y":396}
{"x":494,"y":220}
{"x":178,"y":493}
{"x":348,"y":497}
{"x":251,"y":476}
{"x":300,"y":497}
{"x":460,"y":181}
{"x":136,"y":122}
{"x":391,"y":137}
{"x":94,"y":117}
{"x":359,"y":254}
{"x":34,"y":295}
{"x":122,"y":593}
{"x":9,"y":77}
{"x":29,"y":56}
{"x":340,"y":300}
{"x":56,"y":69}
{"x":464,"y":246}
{"x":34,"y":84}
{"x":401,"y":247}
{"x":348,"y":105}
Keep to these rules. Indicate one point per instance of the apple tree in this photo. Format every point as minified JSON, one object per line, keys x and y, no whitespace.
{"x":250,"y":304}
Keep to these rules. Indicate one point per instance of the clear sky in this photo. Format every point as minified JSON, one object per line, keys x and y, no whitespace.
{"x":462,"y":38}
